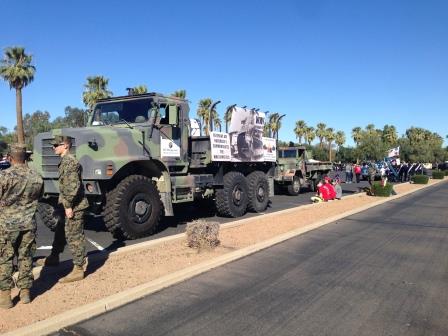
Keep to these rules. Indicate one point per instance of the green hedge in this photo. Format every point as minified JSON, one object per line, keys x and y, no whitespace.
{"x":438,"y":175}
{"x":381,"y":191}
{"x":446,"y":172}
{"x":420,"y":179}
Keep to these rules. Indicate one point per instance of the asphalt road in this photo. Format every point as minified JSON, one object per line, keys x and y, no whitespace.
{"x":99,"y":239}
{"x":380,"y":272}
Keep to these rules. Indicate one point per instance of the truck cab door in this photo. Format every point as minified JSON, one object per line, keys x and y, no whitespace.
{"x":173,"y":148}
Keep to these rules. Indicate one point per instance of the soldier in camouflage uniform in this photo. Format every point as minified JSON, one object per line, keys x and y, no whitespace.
{"x":20,"y":189}
{"x":72,"y":199}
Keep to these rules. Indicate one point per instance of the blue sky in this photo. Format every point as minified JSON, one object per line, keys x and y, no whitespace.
{"x":346,"y":63}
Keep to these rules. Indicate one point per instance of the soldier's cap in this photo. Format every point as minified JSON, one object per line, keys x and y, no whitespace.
{"x":16,"y":148}
{"x":60,"y":139}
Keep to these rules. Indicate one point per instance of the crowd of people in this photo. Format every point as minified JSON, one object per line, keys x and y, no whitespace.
{"x":393,"y":170}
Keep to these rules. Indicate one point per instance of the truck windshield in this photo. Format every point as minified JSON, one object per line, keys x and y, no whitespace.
{"x":288,"y":153}
{"x":132,"y":111}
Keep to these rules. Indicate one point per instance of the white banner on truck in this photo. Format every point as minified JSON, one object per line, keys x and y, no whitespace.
{"x":220,"y":146}
{"x":221,"y":149}
{"x":169,"y":148}
{"x":269,"y":149}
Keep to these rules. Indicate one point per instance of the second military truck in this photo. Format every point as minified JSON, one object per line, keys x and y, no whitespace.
{"x":296,"y":169}
{"x":140,"y":156}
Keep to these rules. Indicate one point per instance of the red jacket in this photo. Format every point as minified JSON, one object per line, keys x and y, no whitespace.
{"x":331,"y":190}
{"x":324,"y":192}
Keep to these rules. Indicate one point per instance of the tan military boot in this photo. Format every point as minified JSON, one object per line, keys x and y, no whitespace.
{"x":52,"y":261}
{"x":25,"y":296}
{"x":5,"y":299}
{"x":75,"y":275}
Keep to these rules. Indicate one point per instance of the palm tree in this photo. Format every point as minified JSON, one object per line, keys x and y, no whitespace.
{"x":330,"y":136}
{"x":310,"y":135}
{"x":96,"y":88}
{"x":320,"y":132}
{"x":17,"y":70}
{"x":203,"y":113}
{"x":140,"y":89}
{"x":180,"y":94}
{"x":415,"y":135}
{"x":228,"y":116}
{"x":300,"y":130}
{"x":370,"y":128}
{"x":217,"y":123}
{"x":339,"y":138}
{"x":390,"y":135}
{"x":357,"y":135}
{"x":273,"y":124}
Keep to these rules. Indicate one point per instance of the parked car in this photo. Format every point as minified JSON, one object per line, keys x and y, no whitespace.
{"x":4,"y":164}
{"x":443,"y":166}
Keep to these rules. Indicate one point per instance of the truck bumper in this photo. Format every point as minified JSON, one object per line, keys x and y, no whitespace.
{"x":51,"y":187}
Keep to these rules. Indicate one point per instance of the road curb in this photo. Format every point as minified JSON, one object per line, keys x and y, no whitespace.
{"x":114,"y":301}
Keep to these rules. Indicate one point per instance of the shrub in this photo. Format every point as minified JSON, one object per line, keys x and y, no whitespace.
{"x":438,"y":175}
{"x":202,"y":234}
{"x":446,"y":172}
{"x":420,"y":179}
{"x":382,"y":191}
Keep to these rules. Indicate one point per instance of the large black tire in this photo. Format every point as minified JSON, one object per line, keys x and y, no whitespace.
{"x":133,"y":209}
{"x":231,"y":200}
{"x":294,"y":188}
{"x":50,"y":214}
{"x":258,"y":196}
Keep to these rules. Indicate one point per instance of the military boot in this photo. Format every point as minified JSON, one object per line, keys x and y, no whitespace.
{"x":25,"y":296}
{"x":5,"y":299}
{"x":75,"y":275}
{"x":52,"y":261}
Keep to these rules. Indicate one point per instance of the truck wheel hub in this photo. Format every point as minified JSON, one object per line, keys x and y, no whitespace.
{"x":237,"y":195}
{"x":141,"y":208}
{"x":260,"y":193}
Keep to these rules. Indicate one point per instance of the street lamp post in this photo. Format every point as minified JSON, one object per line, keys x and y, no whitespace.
{"x":278,"y":125}
{"x":210,"y":113}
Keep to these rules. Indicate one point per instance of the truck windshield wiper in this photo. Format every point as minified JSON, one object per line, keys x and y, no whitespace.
{"x":130,"y":126}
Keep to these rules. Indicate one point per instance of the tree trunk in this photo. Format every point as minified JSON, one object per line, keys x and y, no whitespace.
{"x":20,"y":133}
{"x":329,"y":150}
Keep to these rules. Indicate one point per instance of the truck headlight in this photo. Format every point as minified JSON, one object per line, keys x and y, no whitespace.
{"x":98,"y":171}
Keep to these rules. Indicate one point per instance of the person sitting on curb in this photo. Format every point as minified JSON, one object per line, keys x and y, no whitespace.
{"x":330,"y":188}
{"x":322,"y":194}
{"x":337,"y":188}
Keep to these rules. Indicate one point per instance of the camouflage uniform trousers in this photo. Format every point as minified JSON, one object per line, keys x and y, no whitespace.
{"x":22,"y":244}
{"x":71,"y":232}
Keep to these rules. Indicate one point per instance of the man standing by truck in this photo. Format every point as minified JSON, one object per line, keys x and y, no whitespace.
{"x":20,"y":189}
{"x":72,"y":199}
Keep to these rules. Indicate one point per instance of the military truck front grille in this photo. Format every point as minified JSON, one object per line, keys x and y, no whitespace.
{"x":50,"y":160}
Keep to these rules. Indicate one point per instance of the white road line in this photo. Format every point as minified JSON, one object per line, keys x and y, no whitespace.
{"x":94,"y":243}
{"x":44,"y":248}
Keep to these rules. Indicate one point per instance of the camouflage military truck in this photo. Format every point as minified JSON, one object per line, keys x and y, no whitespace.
{"x":296,"y":168}
{"x":139,"y":157}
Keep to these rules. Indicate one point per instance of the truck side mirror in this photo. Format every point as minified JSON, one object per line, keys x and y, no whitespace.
{"x":88,"y":116}
{"x":173,"y":114}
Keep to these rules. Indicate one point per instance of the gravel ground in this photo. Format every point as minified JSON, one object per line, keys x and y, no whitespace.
{"x":127,"y":270}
